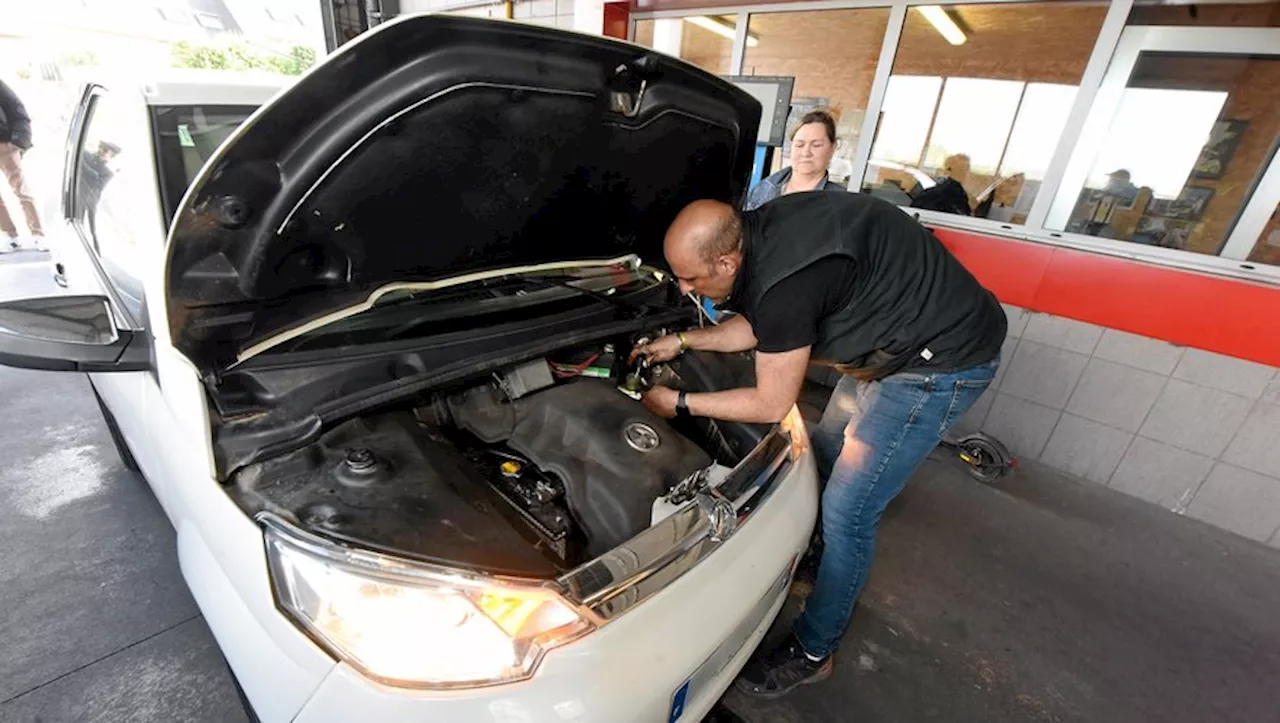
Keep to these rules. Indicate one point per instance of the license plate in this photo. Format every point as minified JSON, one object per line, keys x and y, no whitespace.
{"x":712,"y":666}
{"x":678,"y":700}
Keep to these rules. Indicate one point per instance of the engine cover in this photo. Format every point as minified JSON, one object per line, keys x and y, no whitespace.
{"x":613,"y":455}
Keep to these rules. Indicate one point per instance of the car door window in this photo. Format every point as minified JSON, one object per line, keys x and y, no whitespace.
{"x":110,"y":175}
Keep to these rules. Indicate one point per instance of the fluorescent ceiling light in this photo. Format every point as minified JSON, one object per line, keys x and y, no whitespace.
{"x":720,"y":28}
{"x":943,"y":23}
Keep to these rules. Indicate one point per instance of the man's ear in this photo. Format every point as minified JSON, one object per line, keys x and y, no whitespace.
{"x":729,"y":264}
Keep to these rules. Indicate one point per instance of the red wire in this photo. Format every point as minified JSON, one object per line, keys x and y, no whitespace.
{"x":577,"y":369}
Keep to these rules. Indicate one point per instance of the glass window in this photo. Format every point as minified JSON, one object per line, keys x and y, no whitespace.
{"x":186,"y":137}
{"x":980,"y":94}
{"x":905,"y":116}
{"x":973,"y":120}
{"x":110,"y":177}
{"x":209,"y":21}
{"x":1191,"y":135}
{"x":1039,"y":123}
{"x":703,"y":40}
{"x":832,"y":55}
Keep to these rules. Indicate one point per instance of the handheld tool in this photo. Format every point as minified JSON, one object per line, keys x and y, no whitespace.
{"x":639,"y":376}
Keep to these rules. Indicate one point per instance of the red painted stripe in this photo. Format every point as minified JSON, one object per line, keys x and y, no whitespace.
{"x":1229,"y":316}
{"x":1011,"y":269}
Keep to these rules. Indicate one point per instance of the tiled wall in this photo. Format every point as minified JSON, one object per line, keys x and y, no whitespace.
{"x":554,"y":13}
{"x":1195,"y":432}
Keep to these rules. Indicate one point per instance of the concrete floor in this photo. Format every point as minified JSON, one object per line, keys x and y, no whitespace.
{"x":1045,"y":600}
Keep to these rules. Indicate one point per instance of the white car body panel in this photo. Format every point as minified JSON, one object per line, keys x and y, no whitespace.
{"x":628,"y":670}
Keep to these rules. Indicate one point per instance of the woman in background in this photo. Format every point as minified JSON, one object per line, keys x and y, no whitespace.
{"x":813,"y":143}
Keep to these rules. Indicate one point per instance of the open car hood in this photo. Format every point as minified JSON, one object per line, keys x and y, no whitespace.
{"x":435,"y":146}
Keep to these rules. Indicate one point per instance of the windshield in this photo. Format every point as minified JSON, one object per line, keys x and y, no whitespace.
{"x":412,"y":314}
{"x":186,"y":137}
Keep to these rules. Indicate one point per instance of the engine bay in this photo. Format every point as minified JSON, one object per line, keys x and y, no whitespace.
{"x":530,"y":471}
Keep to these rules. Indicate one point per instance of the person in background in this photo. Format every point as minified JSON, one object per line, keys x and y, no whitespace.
{"x":95,"y":172}
{"x":15,"y":140}
{"x":813,"y":143}
{"x":1118,"y":193}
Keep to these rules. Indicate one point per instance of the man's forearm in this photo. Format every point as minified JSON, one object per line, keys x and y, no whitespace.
{"x":737,"y":405}
{"x":733,"y":335}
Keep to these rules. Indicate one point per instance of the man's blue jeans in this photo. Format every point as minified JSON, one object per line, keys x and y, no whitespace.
{"x":872,"y":437}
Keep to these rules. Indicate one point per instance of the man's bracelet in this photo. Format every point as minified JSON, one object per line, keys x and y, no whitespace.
{"x":684,"y":342}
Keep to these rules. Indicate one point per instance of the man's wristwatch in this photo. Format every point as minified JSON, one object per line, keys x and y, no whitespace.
{"x":682,"y":404}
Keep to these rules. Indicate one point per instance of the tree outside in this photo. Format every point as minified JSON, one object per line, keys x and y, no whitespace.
{"x":238,"y":55}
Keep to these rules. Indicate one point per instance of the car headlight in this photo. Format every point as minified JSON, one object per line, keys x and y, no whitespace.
{"x":410,"y":624}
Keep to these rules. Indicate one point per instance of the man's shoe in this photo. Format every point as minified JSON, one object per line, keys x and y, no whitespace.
{"x":38,"y":241}
{"x":11,"y":244}
{"x":782,"y":670}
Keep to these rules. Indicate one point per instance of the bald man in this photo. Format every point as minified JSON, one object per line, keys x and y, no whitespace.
{"x":848,"y":280}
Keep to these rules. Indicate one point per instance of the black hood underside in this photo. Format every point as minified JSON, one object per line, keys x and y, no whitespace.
{"x":436,"y":146}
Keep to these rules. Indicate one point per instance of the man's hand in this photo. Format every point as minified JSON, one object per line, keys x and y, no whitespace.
{"x":733,"y":335}
{"x":661,"y":401}
{"x":662,"y":349}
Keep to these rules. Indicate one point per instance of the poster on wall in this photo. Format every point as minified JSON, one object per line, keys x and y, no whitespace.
{"x":1217,"y":153}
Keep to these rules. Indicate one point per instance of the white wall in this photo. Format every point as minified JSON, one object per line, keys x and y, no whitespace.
{"x":551,"y":13}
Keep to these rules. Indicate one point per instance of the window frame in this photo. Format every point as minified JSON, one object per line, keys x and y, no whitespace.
{"x":76,"y":134}
{"x":1034,"y":229}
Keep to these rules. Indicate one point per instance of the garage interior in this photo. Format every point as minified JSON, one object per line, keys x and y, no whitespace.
{"x":1044,"y":599}
{"x":1129,"y":570}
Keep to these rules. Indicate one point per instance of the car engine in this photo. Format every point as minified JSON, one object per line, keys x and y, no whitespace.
{"x":611,"y":456}
{"x":531,"y":472}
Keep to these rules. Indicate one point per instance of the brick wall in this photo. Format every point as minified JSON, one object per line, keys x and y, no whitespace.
{"x":832,"y":54}
{"x":1192,"y":431}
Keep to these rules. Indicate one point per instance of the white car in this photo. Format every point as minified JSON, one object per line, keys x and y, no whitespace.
{"x":376,"y":375}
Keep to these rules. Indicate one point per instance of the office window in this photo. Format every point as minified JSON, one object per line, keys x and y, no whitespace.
{"x":703,"y":40}
{"x":905,"y":117}
{"x":1039,"y":123}
{"x":832,"y":55}
{"x":973,"y":119}
{"x":1190,"y":138}
{"x":980,"y":94}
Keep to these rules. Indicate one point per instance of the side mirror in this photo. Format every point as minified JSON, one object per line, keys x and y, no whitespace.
{"x":68,"y":333}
